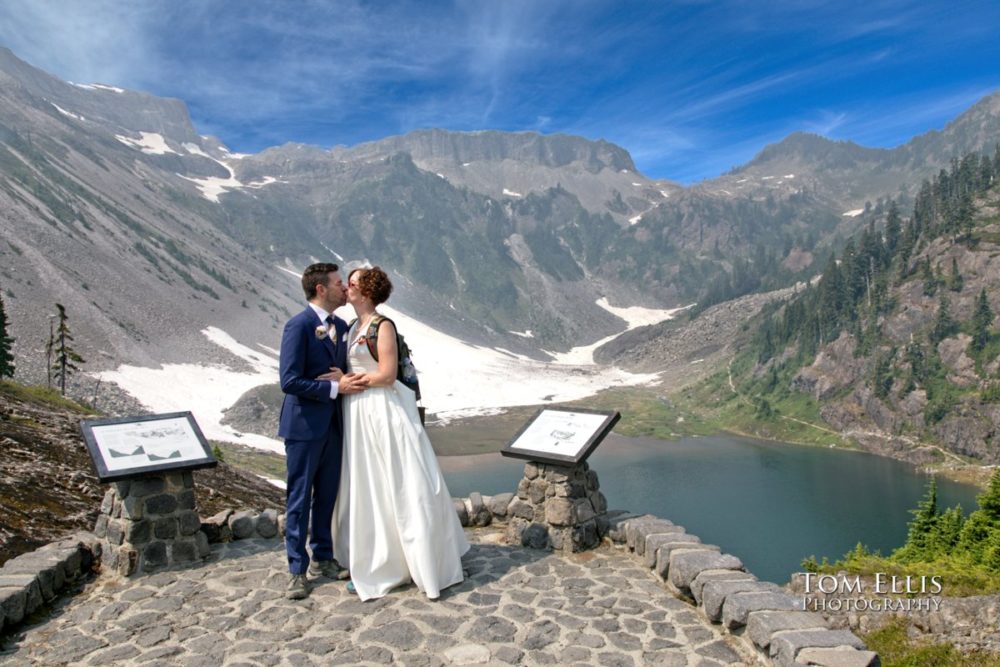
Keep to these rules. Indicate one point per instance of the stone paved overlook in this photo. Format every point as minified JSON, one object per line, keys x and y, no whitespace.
{"x":518,"y":606}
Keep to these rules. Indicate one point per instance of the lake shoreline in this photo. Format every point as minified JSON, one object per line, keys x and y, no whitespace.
{"x":486,"y":434}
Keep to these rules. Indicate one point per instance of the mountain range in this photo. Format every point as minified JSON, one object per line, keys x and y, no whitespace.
{"x":112,"y":204}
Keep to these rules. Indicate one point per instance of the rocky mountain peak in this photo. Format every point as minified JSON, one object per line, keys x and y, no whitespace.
{"x":814,"y":149}
{"x":531,"y":148}
{"x":116,"y":109}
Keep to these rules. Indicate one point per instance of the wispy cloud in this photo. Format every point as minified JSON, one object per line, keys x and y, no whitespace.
{"x":101,"y":40}
{"x":894,"y":120}
{"x":685,"y":86}
{"x":826,"y":124}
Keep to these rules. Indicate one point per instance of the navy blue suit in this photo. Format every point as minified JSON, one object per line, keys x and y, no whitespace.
{"x":311,"y":425}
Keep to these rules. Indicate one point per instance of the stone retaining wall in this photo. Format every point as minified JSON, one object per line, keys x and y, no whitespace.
{"x":770,"y":620}
{"x":32,"y":580}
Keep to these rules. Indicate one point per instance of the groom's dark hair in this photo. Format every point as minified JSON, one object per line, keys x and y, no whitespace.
{"x":316,"y":274}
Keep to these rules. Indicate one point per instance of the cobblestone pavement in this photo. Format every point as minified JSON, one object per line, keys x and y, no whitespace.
{"x":517,"y":606}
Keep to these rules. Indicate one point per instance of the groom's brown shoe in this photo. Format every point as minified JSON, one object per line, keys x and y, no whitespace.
{"x":327,"y":568}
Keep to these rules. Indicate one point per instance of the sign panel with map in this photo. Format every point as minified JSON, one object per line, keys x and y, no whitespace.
{"x":131,"y":446}
{"x":565,"y":436}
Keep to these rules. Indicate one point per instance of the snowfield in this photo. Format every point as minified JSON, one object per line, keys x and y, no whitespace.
{"x":457,"y":379}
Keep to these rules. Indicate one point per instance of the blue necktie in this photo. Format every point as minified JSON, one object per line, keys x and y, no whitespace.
{"x":332,"y":330}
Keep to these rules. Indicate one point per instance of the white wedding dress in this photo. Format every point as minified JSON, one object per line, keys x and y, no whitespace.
{"x":394,"y":521}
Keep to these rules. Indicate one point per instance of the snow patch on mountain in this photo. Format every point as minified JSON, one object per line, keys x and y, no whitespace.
{"x":151,"y":143}
{"x":332,"y":252}
{"x":195,"y":149}
{"x":98,"y":86}
{"x":637,"y":316}
{"x":634,"y":316}
{"x":212,"y":187}
{"x":67,"y":113}
{"x":205,"y":391}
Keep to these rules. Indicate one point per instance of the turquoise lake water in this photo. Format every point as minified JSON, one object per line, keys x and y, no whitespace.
{"x":771,"y":504}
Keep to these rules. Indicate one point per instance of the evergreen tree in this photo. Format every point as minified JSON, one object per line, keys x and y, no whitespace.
{"x":927,"y":275}
{"x":945,"y":535}
{"x":766,"y":345}
{"x":853,"y":267}
{"x":918,"y":363}
{"x":66,"y":357}
{"x":882,"y":380}
{"x":991,"y":554}
{"x":955,"y":280}
{"x":50,"y":347}
{"x":920,"y":528}
{"x":963,"y":215}
{"x":906,"y":245}
{"x":831,"y":295}
{"x":989,"y":500}
{"x":981,"y":528}
{"x":893,"y":229}
{"x":6,"y":355}
{"x":810,"y":338}
{"x":986,"y":174}
{"x":923,"y":209}
{"x":982,"y":318}
{"x":944,"y":325}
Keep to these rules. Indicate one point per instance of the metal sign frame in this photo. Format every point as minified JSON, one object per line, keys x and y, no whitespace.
{"x":563,"y":436}
{"x":131,"y":446}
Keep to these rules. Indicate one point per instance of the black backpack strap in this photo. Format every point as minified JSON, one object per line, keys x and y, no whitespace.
{"x":371,"y":336}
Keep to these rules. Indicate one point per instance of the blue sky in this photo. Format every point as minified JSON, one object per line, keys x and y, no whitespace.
{"x":690,"y":88}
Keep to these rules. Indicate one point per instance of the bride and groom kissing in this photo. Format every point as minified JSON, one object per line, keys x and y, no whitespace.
{"x":363,"y":485}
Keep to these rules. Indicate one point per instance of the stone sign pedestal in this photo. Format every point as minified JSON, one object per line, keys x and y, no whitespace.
{"x":149,"y":523}
{"x":558,"y":506}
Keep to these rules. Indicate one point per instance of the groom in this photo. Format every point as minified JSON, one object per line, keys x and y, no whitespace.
{"x":312,"y":367}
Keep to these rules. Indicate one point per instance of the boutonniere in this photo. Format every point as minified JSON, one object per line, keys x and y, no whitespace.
{"x":322,"y":331}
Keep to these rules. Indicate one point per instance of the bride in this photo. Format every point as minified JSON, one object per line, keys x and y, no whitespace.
{"x":394,"y":519}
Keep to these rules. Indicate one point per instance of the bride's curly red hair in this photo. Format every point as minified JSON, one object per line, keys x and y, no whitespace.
{"x":374,"y":283}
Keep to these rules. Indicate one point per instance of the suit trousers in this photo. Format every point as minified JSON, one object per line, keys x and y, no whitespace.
{"x":313,"y":477}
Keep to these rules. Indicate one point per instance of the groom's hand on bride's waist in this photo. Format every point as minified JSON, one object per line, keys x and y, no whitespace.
{"x":333,"y":375}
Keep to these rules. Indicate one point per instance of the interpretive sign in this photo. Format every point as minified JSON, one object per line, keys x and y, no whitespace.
{"x":131,"y":446}
{"x":564,"y":436}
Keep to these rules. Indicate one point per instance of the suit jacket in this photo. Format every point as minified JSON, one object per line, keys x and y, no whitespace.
{"x":307,"y":412}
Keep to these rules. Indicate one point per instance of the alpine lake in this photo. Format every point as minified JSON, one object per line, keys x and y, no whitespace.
{"x":771,"y":504}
